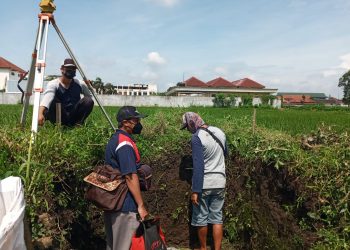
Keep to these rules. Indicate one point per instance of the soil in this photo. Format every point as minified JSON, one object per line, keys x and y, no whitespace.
{"x":261,"y":198}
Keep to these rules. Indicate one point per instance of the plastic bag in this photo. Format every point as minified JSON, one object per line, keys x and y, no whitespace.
{"x":149,"y":236}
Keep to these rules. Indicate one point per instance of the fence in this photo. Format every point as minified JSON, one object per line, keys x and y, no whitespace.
{"x":119,"y":100}
{"x":160,"y":101}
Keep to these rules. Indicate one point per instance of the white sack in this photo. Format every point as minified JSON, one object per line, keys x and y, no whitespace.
{"x":12,"y":207}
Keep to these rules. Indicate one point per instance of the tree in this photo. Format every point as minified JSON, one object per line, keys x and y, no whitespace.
{"x":109,"y":89}
{"x":344,"y":82}
{"x":98,"y":85}
{"x":180,"y":84}
{"x":267,"y":99}
{"x":247,"y":100}
{"x":219,"y":100}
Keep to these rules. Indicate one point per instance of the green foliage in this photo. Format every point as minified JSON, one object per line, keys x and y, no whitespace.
{"x":344,"y":82}
{"x":98,"y":85}
{"x":222,"y":100}
{"x":247,"y":99}
{"x":267,"y":99}
{"x":62,"y":157}
{"x":219,"y":100}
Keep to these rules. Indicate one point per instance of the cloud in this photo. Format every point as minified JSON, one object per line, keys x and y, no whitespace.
{"x":221,"y":70}
{"x":166,"y":3}
{"x":149,"y":75}
{"x":336,"y":71}
{"x":154,"y":58}
{"x":275,"y":80}
{"x":345,"y":64}
{"x":330,"y":72}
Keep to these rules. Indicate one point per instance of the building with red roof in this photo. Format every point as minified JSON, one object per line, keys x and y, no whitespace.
{"x":298,"y":100}
{"x":220,"y":83}
{"x":248,"y":83}
{"x":9,"y":72}
{"x":195,"y":87}
{"x":195,"y":82}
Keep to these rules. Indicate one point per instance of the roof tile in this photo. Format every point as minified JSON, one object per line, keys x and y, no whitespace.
{"x":220,"y":82}
{"x":248,"y":83}
{"x":194,"y":82}
{"x":8,"y":65}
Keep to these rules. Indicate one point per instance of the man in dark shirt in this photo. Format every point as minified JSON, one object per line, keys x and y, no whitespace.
{"x":122,"y":153}
{"x":66,"y":90}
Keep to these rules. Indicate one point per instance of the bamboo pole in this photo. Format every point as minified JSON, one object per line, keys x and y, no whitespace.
{"x":254,"y":120}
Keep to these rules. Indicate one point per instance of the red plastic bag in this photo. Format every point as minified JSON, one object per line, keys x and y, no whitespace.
{"x":148,"y":236}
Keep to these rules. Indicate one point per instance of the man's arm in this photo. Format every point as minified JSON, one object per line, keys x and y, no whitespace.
{"x":84,"y":89}
{"x":198,"y":168}
{"x":48,"y":97}
{"x":132,"y":180}
{"x":127,"y":161}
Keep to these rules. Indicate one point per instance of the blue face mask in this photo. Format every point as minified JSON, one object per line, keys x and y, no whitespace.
{"x":70,"y":74}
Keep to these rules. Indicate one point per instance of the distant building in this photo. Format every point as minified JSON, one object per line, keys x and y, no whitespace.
{"x":299,"y":98}
{"x":135,"y":89}
{"x":196,"y":87}
{"x":9,"y":74}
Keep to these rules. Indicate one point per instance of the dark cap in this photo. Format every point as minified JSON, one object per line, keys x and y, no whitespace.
{"x":68,"y":62}
{"x":127,"y":113}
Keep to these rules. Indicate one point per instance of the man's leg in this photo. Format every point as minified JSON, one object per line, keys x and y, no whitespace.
{"x":215,"y":204}
{"x":200,"y":219}
{"x":81,"y":111}
{"x":109,"y":218}
{"x":202,"y":235}
{"x":121,"y":227}
{"x":217,"y":236}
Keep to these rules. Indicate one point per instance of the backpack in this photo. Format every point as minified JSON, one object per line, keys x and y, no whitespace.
{"x":145,"y":176}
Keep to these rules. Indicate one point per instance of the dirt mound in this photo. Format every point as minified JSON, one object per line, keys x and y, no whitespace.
{"x":264,"y":200}
{"x":260,"y":208}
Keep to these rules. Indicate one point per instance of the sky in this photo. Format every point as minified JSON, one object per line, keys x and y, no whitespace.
{"x":291,"y":45}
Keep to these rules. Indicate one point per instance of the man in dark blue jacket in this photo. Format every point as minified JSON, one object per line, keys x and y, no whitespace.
{"x":122,"y":153}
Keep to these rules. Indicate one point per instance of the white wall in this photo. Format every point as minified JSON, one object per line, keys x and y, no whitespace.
{"x":119,"y":100}
{"x":4,"y":76}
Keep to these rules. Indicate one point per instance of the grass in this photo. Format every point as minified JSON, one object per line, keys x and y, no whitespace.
{"x":291,"y":121}
{"x":61,"y":156}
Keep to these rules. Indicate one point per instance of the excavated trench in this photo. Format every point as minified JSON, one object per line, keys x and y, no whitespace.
{"x":262,"y":209}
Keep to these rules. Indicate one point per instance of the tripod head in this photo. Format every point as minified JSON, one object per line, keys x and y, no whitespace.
{"x":47,"y":6}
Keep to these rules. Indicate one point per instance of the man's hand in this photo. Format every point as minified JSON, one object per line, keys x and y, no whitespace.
{"x":194,"y":199}
{"x":142,"y":211}
{"x":41,"y":119}
{"x":88,"y":82}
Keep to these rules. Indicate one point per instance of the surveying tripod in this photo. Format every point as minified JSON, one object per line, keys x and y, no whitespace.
{"x":38,"y":64}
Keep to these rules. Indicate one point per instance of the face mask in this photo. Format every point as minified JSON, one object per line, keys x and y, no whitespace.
{"x":137,"y":129}
{"x":70,"y":74}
